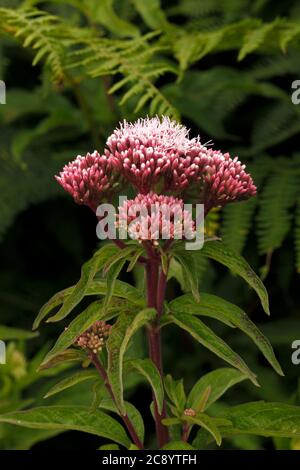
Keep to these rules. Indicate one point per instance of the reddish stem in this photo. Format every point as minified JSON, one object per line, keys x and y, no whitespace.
{"x":155,"y":295}
{"x":128,"y":423}
{"x":185,"y":432}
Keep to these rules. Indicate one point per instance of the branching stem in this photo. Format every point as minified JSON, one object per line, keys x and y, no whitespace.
{"x":128,"y":423}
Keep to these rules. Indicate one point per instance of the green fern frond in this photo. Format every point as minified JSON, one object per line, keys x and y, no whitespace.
{"x":251,"y":33}
{"x":254,"y":39}
{"x":137,"y":64}
{"x":275,"y":66}
{"x":274,"y":217}
{"x":37,"y":30}
{"x":278,"y":123}
{"x":237,"y":218}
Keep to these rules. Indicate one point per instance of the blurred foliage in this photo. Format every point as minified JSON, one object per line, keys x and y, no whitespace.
{"x":225,"y":69}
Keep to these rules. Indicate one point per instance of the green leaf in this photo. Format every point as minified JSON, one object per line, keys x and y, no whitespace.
{"x":72,"y":380}
{"x":176,"y":393}
{"x":88,"y":272}
{"x":228,"y":313}
{"x":152,"y":13}
{"x":113,"y":269}
{"x":8,"y":333}
{"x":109,"y":447}
{"x":254,"y":39}
{"x":77,"y":418}
{"x":188,"y":263}
{"x":80,"y":324}
{"x":171,"y":421}
{"x":178,"y":445}
{"x":237,"y":264}
{"x":69,"y":355}
{"x":97,"y":287}
{"x":148,"y":370}
{"x":263,"y":419}
{"x":135,"y":258}
{"x":133,"y":414}
{"x":206,"y":422}
{"x":103,"y":13}
{"x":211,"y":341}
{"x":121,"y":333}
{"x":219,"y":381}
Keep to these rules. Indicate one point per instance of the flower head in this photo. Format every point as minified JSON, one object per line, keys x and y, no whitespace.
{"x":223,"y":180}
{"x":88,"y":179}
{"x":94,"y":338}
{"x":154,"y":217}
{"x":149,"y":150}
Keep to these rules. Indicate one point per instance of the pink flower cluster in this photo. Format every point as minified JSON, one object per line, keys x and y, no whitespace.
{"x":153,"y":217}
{"x":223,"y":179}
{"x":157,"y":155}
{"x":151,"y":150}
{"x":89,"y":179}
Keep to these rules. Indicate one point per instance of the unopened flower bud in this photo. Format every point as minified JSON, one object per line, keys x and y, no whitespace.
{"x":94,"y":338}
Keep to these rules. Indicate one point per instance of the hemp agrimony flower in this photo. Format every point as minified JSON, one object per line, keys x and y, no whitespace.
{"x":156,"y":155}
{"x":88,"y":179}
{"x":153,"y":217}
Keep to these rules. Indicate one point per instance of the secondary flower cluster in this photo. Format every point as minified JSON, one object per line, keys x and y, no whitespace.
{"x":156,"y":156}
{"x":153,"y":217}
{"x":89,"y":179}
{"x":94,"y":338}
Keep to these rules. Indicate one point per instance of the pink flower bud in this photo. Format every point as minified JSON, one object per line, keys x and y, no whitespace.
{"x":88,"y":179}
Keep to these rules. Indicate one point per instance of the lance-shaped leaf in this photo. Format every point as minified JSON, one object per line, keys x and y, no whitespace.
{"x":206,"y":422}
{"x":264,"y":419}
{"x":97,"y":287}
{"x":79,"y":325}
{"x":188,"y":264}
{"x":69,"y":355}
{"x":72,"y":380}
{"x":120,"y":335}
{"x":228,"y":313}
{"x":133,"y":414}
{"x":257,"y":418}
{"x":113,"y":268}
{"x":8,"y":333}
{"x":237,"y":264}
{"x":219,"y":381}
{"x":176,"y":393}
{"x":88,"y":272}
{"x":149,"y":371}
{"x":76,"y":418}
{"x":211,"y":341}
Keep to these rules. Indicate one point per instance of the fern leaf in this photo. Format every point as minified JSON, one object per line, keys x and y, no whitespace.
{"x":237,"y":218}
{"x":280,"y":122}
{"x":37,"y":30}
{"x":152,"y":13}
{"x":256,"y":38}
{"x":274,"y":217}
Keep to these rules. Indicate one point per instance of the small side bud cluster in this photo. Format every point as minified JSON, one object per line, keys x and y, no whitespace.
{"x":154,"y":217}
{"x":189,"y":412}
{"x":224,"y":180}
{"x":94,"y":338}
{"x":88,"y":179}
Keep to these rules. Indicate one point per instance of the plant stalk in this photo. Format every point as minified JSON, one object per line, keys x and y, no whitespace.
{"x":128,"y":423}
{"x":156,"y":284}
